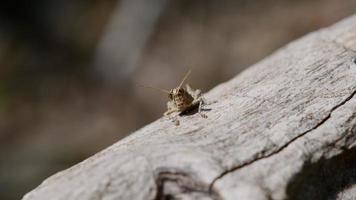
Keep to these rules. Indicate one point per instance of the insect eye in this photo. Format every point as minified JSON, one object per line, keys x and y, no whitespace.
{"x":170,"y":96}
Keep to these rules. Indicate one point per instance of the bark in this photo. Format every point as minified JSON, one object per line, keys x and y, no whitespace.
{"x":283,"y":129}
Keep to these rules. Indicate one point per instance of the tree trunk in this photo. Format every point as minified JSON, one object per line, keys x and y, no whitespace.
{"x":283,"y":129}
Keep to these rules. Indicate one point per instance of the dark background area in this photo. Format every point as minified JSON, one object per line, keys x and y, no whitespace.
{"x":69,"y":69}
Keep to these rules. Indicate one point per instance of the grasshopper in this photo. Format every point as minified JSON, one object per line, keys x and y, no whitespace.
{"x":183,"y":99}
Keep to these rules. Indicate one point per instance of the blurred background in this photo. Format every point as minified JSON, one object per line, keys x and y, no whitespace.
{"x":69,"y":69}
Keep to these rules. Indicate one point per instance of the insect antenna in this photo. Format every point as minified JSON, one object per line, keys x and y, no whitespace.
{"x":185,"y":78}
{"x":155,"y":88}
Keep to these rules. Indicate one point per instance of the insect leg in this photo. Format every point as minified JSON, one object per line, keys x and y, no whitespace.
{"x":201,"y":102}
{"x":168,"y":112}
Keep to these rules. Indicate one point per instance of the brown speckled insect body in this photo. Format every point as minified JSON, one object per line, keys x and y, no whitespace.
{"x":183,"y":99}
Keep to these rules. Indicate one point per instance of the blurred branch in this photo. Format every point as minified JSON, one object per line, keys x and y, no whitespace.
{"x":125,"y":36}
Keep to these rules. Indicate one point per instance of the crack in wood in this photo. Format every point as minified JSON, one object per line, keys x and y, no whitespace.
{"x":172,"y":185}
{"x":211,"y":187}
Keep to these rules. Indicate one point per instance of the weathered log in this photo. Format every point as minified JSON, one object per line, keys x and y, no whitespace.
{"x":283,"y":129}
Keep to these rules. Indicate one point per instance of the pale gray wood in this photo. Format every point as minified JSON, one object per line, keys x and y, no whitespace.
{"x":284,"y":128}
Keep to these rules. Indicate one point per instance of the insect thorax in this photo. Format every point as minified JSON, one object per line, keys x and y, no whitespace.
{"x":182,"y":98}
